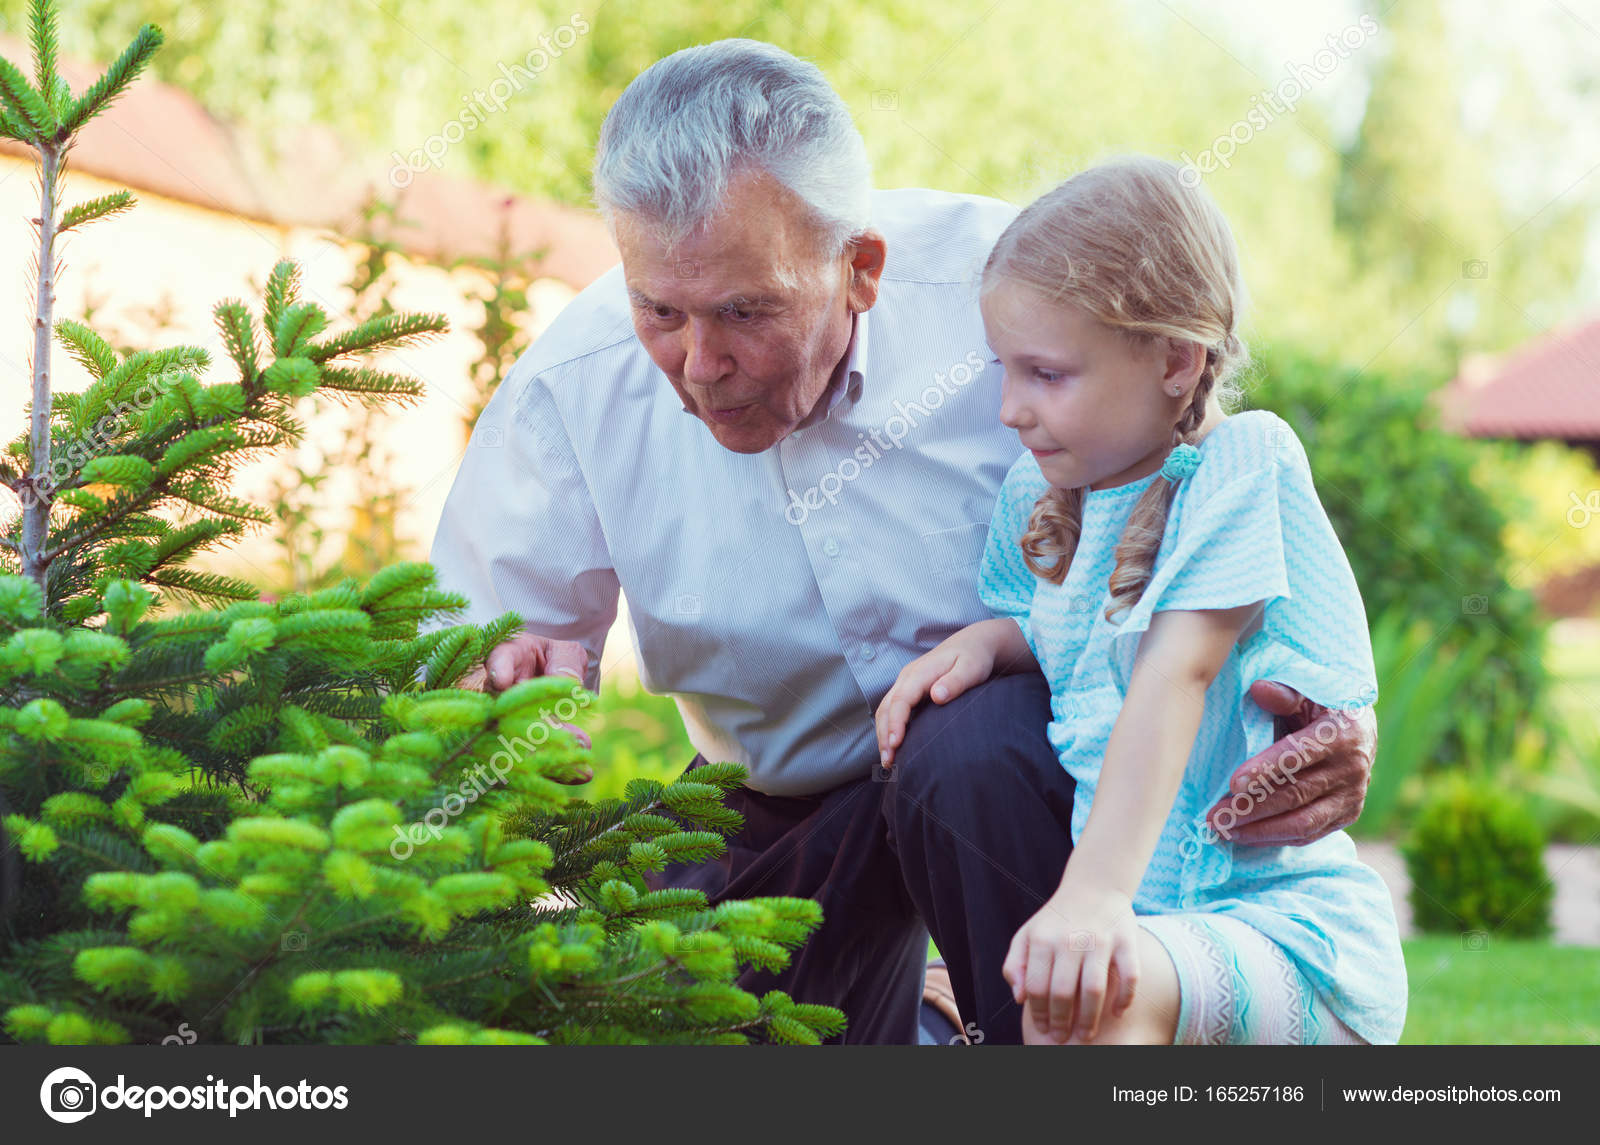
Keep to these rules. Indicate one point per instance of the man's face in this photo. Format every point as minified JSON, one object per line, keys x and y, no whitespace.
{"x":748,"y":355}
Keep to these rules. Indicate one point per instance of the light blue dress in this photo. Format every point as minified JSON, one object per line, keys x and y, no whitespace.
{"x":1245,"y":526}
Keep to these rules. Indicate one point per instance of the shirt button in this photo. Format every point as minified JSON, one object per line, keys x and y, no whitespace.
{"x":868,"y":652}
{"x":831,"y":547}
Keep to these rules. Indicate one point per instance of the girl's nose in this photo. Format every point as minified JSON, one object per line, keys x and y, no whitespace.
{"x":1014,"y":412}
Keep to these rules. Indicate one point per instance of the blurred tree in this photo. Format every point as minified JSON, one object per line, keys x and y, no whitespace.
{"x":1418,"y":200}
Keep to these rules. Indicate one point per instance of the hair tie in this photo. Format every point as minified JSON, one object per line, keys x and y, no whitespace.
{"x":1181,"y":462}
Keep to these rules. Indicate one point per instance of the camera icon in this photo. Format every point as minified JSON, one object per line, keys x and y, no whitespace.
{"x":293,"y":941}
{"x":1475,"y":940}
{"x":1081,"y":602}
{"x":1475,"y":605}
{"x":490,"y":437}
{"x":687,"y":943}
{"x":687,"y":268}
{"x":885,"y":99}
{"x":687,"y":604}
{"x":1080,"y":940}
{"x":68,"y":1095}
{"x":881,"y":774}
{"x":98,"y":775}
{"x":1475,"y":268}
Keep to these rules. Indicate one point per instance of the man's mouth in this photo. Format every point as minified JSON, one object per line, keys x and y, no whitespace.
{"x":730,"y":414}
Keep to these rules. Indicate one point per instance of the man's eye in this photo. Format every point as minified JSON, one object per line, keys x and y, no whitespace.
{"x":661,"y":311}
{"x":1047,"y":375}
{"x":739,"y":315}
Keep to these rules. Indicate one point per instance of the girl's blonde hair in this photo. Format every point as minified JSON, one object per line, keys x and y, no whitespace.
{"x":1136,"y":247}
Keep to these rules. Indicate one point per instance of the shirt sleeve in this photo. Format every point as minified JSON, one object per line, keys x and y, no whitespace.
{"x":1253,"y":529}
{"x":1005,"y":583}
{"x":519,"y":531}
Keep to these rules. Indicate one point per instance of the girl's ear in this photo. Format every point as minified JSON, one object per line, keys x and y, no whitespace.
{"x":1186,"y":361}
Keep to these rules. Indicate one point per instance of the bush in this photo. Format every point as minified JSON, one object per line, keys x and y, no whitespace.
{"x":255,"y":818}
{"x":1476,"y":860}
{"x":1424,"y":538}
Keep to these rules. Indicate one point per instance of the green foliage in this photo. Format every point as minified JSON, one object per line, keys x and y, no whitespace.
{"x":147,"y":438}
{"x":256,"y":817}
{"x":1424,"y":539}
{"x":1476,"y":860}
{"x":1415,"y":710}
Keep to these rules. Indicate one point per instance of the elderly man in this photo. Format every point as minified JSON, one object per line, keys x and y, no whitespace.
{"x":775,"y":429}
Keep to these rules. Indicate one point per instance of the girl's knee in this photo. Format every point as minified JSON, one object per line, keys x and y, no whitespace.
{"x":1152,"y":1018}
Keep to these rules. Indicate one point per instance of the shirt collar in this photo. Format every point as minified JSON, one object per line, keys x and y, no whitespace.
{"x":846,"y":382}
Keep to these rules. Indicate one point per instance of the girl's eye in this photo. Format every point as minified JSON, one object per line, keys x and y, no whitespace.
{"x":1047,"y":375}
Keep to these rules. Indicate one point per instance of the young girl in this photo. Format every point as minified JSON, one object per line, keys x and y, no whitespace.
{"x":1154,"y":556}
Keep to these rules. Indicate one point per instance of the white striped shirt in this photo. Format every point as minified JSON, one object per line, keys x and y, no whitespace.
{"x":775,"y":595}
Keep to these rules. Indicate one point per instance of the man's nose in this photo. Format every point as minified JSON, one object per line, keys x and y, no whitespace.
{"x":703,"y":359}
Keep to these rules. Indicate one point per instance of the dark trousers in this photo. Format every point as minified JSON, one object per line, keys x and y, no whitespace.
{"x":966,"y":838}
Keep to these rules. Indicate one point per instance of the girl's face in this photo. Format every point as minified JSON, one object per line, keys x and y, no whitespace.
{"x":1094,"y":408}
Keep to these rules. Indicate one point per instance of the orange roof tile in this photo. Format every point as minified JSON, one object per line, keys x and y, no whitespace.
{"x":158,"y":138}
{"x":1549,"y":388}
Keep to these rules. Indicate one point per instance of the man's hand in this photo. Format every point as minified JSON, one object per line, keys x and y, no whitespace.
{"x":1308,"y":784}
{"x":524,"y":657}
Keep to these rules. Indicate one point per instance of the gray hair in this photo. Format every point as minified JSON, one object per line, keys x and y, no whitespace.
{"x":692,"y":121}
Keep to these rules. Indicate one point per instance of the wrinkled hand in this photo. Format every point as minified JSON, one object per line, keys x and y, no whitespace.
{"x":1080,"y":947}
{"x":959,"y":662}
{"x":1308,"y":784}
{"x":525,"y":657}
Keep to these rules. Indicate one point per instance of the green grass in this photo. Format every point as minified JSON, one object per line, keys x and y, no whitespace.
{"x":1508,"y":992}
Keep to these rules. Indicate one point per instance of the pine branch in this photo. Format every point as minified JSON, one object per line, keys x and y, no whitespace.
{"x":122,"y":72}
{"x":239,"y":336}
{"x":12,"y":127}
{"x":283,"y":288}
{"x":103,"y":207}
{"x":25,"y":105}
{"x":202,"y":588}
{"x":46,"y":45}
{"x":392,"y":331}
{"x":87,"y":348}
{"x":370,"y":383}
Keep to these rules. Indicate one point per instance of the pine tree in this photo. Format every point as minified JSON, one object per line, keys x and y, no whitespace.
{"x":253,"y":818}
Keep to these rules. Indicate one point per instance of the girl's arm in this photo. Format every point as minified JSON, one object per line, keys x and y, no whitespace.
{"x":959,"y":662}
{"x":1061,"y":958}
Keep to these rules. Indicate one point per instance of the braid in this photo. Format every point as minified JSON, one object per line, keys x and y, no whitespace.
{"x":1140,"y":543}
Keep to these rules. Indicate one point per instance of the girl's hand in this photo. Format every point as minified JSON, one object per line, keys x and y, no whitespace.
{"x":1062,"y":959}
{"x":958,"y":663}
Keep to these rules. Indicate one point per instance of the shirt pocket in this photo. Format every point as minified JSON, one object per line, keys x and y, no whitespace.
{"x":957,"y":550}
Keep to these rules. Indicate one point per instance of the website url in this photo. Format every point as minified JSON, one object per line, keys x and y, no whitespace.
{"x":1451,"y":1095}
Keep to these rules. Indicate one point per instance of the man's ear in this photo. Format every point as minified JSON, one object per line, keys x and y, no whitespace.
{"x":867,"y":253}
